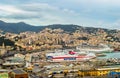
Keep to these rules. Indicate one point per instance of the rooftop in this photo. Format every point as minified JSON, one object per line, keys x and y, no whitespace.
{"x":18,"y":71}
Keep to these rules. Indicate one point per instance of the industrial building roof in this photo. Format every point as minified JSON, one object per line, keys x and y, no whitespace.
{"x":19,"y":71}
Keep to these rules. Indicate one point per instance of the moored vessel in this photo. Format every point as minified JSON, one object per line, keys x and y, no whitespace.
{"x":94,"y":49}
{"x":69,"y":56}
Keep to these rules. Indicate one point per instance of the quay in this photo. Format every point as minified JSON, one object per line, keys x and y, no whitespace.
{"x":77,"y":71}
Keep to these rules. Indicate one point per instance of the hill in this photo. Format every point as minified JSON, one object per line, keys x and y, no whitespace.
{"x":18,"y":27}
{"x":23,"y":27}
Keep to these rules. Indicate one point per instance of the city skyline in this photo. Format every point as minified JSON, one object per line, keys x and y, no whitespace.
{"x":93,"y":13}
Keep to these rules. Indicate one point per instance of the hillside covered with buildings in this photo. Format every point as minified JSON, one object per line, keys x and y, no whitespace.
{"x":57,"y":38}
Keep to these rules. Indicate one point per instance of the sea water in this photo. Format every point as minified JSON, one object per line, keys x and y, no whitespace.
{"x":111,"y":55}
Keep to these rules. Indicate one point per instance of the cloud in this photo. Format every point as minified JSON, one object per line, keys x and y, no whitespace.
{"x":97,"y":13}
{"x":10,"y":9}
{"x":37,"y":11}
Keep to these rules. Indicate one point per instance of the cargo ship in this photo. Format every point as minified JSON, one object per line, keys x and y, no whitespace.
{"x":94,"y":49}
{"x":69,"y":56}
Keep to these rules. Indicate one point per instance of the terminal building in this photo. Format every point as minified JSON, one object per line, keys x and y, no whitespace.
{"x":18,"y":73}
{"x":92,"y":72}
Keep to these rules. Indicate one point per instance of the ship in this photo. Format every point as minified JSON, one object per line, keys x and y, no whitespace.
{"x":69,"y":56}
{"x":101,"y":48}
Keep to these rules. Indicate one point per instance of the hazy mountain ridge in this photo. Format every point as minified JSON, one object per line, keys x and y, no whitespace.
{"x":18,"y":27}
{"x":23,"y":27}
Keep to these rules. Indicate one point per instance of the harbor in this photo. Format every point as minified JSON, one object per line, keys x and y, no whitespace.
{"x":85,"y":60}
{"x":94,"y":68}
{"x":65,"y":63}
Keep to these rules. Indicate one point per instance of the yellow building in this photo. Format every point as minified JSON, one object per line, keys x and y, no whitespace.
{"x":99,"y":71}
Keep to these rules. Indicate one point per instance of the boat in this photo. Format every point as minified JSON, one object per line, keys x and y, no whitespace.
{"x":116,"y":49}
{"x":100,"y":55}
{"x":101,"y":48}
{"x":69,"y":56}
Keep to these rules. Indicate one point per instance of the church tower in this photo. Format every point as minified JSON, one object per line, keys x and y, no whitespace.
{"x":3,"y":45}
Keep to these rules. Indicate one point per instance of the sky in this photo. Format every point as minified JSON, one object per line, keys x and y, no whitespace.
{"x":89,"y":13}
